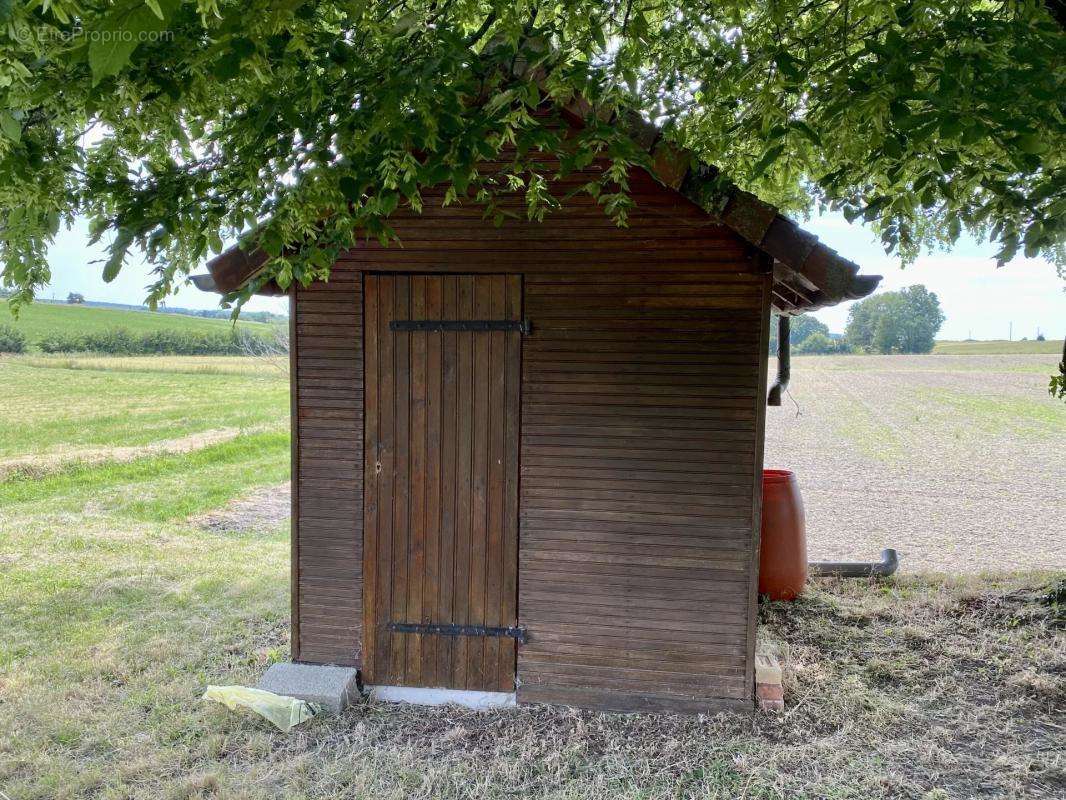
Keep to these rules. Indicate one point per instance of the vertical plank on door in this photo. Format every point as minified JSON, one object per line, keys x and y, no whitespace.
{"x":432,"y":490}
{"x":371,"y":470}
{"x":416,"y":567}
{"x":512,"y":371}
{"x":442,"y":546}
{"x":463,"y":436}
{"x":401,"y":491}
{"x":482,"y":418}
{"x":496,"y":342}
{"x":449,"y":478}
{"x":386,"y":479}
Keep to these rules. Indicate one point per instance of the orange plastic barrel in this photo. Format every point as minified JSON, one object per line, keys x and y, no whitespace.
{"x":783,"y":554}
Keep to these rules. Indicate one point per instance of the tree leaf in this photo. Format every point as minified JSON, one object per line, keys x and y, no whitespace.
{"x":349,"y":187}
{"x":873,"y":208}
{"x":388,"y":201}
{"x":119,"y":248}
{"x":121,"y":31}
{"x":10,"y":127}
{"x":768,"y":158}
{"x":1031,"y":143}
{"x":790,"y":66}
{"x":227,"y":67}
{"x":806,"y":130}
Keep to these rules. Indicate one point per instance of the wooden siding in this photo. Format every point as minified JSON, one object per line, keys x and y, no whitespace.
{"x":441,"y":480}
{"x":640,"y":405}
{"x":640,"y":444}
{"x":665,"y":233}
{"x":328,"y":479}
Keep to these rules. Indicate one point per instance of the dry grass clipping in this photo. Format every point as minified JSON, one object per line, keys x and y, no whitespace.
{"x":916,"y":688}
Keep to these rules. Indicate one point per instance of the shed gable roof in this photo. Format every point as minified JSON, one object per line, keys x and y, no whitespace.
{"x":807,"y":273}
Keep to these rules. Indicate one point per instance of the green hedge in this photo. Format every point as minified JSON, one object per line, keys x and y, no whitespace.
{"x":11,"y":340}
{"x":121,"y":341}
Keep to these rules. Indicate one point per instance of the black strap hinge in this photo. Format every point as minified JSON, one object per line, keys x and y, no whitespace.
{"x":449,"y":325}
{"x":516,"y":632}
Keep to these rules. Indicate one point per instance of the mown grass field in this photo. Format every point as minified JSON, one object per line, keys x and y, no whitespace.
{"x":58,"y":404}
{"x":996,"y":347}
{"x":39,"y":319}
{"x":953,"y":460}
{"x":119,"y":606}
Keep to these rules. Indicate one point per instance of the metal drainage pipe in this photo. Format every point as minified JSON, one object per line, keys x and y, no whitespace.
{"x":784,"y":361}
{"x":888,"y":564}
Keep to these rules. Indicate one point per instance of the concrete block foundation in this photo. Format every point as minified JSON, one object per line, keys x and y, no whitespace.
{"x":440,"y":697}
{"x":333,"y":688}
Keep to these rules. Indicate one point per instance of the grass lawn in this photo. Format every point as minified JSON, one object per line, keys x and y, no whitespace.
{"x":38,"y":319}
{"x":996,"y":347}
{"x":119,"y":605}
{"x":62,"y":403}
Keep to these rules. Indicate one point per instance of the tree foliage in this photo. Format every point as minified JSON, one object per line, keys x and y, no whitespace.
{"x":799,"y":328}
{"x":820,"y":344}
{"x":906,"y":321}
{"x":175,"y":126}
{"x":1057,"y":385}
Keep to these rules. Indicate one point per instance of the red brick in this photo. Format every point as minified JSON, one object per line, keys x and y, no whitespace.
{"x":771,"y":696}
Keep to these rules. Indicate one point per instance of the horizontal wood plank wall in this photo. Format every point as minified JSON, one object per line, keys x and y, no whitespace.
{"x":639,"y":436}
{"x":638,"y":449}
{"x":329,"y":476}
{"x":665,"y":233}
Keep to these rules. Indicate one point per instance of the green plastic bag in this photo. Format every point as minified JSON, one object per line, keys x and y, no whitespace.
{"x":284,"y":712}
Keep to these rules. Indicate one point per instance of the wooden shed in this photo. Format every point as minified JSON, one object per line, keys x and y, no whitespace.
{"x":529,"y":457}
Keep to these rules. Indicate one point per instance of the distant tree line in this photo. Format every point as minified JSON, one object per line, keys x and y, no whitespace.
{"x":76,"y":298}
{"x":222,"y":313}
{"x":906,"y":321}
{"x":808,"y":335}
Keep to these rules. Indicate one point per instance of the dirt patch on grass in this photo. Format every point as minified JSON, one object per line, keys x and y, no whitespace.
{"x":263,"y":509}
{"x":43,"y":464}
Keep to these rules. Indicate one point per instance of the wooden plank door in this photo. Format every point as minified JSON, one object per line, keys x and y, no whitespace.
{"x":441,"y":486}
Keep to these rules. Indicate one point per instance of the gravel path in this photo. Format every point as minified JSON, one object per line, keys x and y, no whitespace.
{"x":955,"y":461}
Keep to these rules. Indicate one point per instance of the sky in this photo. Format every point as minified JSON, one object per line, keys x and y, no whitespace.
{"x":979,"y":300}
{"x":71,"y":258}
